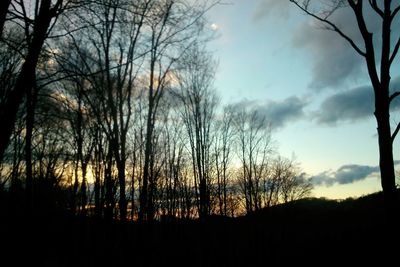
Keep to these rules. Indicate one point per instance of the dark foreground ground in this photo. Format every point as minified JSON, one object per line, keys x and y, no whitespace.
{"x":309,"y":232}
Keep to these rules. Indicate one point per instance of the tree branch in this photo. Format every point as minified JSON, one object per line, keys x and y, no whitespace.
{"x":395,"y":50}
{"x":394,"y":13}
{"x":396,"y":131}
{"x":375,"y":7}
{"x":393,"y":96}
{"x":332,"y":25}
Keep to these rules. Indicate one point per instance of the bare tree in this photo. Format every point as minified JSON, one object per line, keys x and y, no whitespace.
{"x":253,"y":149}
{"x":159,"y":20}
{"x":173,"y":26}
{"x":3,"y":14}
{"x":291,"y":183}
{"x":388,"y":48}
{"x":195,"y":77}
{"x":112,"y":51}
{"x":82,"y":125}
{"x":173,"y":148}
{"x":49,"y":152}
{"x":36,"y":26}
{"x":9,"y":66}
{"x":223,"y":146}
{"x":34,"y":20}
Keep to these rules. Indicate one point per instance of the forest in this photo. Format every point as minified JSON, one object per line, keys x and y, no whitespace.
{"x":122,"y":120}
{"x":115,"y":148}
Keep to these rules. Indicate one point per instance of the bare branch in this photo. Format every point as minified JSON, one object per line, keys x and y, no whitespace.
{"x":375,"y":7}
{"x":330,"y":24}
{"x":394,"y":13}
{"x":396,"y":131}
{"x":393,"y":96}
{"x":395,"y":50}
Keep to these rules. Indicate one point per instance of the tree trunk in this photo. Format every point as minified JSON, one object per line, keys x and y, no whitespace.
{"x":4,"y":4}
{"x":108,"y":213}
{"x":386,"y":163}
{"x":84,"y":189}
{"x":26,"y":77}
{"x":134,"y":166}
{"x":382,"y":112}
{"x":144,"y":205}
{"x":30,"y":117}
{"x":97,"y":184}
{"x":122,"y":194}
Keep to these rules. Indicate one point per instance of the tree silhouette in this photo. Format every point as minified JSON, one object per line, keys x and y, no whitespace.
{"x":254,"y":150}
{"x":121,"y":119}
{"x":36,"y":30}
{"x":173,"y":28}
{"x":379,"y":60}
{"x":3,"y":14}
{"x":223,"y":146}
{"x":199,"y":101}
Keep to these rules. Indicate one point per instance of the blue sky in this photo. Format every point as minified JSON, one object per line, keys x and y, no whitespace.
{"x":312,"y":85}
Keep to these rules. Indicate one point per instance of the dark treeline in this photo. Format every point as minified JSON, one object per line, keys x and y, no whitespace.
{"x":108,"y":109}
{"x":309,"y":231}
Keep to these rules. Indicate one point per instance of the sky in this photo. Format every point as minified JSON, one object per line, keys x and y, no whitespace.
{"x":313,"y":87}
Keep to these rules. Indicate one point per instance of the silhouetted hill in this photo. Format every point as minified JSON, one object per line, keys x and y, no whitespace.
{"x":309,"y":231}
{"x":368,"y":206}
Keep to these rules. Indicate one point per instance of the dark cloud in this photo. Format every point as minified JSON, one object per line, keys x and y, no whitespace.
{"x":352,"y":105}
{"x":346,"y":174}
{"x":324,"y":178}
{"x":332,"y":58}
{"x":267,"y":8}
{"x":277,"y":113}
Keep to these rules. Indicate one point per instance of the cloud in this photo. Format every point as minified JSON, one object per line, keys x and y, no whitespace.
{"x":324,"y":178}
{"x":290,"y":109}
{"x":266,"y":8}
{"x":352,"y":105}
{"x":278,"y":113}
{"x":346,"y":174}
{"x":333,"y":59}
